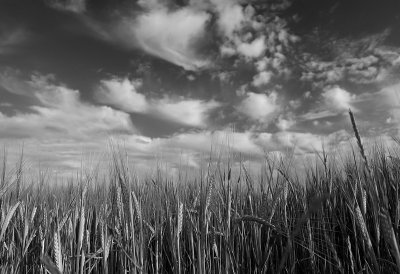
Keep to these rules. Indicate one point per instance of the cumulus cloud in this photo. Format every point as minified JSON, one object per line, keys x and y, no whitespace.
{"x":252,"y":49}
{"x":123,"y":94}
{"x":338,"y":99}
{"x":61,"y":114}
{"x":259,"y":107}
{"x":262,"y":78}
{"x":230,"y":16}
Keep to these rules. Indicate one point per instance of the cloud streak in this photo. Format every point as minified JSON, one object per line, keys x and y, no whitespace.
{"x":10,"y":39}
{"x":75,"y":6}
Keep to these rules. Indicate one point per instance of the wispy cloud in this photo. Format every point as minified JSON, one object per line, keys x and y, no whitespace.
{"x":382,"y":105}
{"x":11,"y":38}
{"x":170,"y":35}
{"x":76,"y":6}
{"x":12,"y":80}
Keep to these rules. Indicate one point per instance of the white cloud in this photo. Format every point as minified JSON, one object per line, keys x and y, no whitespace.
{"x":262,"y":78}
{"x":253,"y":49}
{"x":259,"y":107}
{"x":335,"y":101}
{"x":61,"y":114}
{"x":59,"y":128}
{"x":338,"y":99}
{"x":285,"y":124}
{"x":230,"y":18}
{"x":122,"y":94}
{"x":187,"y":112}
{"x":170,"y":35}
{"x":315,"y":114}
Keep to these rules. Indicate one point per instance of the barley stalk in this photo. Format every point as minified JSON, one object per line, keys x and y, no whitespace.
{"x":57,"y":251}
{"x":389,"y":236}
{"x":7,"y":220}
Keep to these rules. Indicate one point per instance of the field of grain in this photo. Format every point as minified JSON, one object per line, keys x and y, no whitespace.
{"x":342,"y":216}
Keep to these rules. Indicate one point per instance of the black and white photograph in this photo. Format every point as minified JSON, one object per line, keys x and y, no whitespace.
{"x":199,"y":136}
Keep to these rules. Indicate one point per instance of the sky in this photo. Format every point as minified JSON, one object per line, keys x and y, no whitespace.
{"x":169,"y":80}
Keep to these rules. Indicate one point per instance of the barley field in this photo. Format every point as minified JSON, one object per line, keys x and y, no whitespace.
{"x":342,"y":216}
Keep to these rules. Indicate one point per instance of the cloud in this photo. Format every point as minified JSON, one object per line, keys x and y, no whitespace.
{"x":285,"y":124}
{"x":240,"y":142}
{"x":253,"y":49}
{"x":122,"y":94}
{"x":259,"y":107}
{"x":262,"y":78}
{"x":317,"y":114}
{"x":10,"y":80}
{"x":61,"y":114}
{"x":184,"y":111}
{"x":60,"y":128}
{"x":174,"y":34}
{"x":335,"y":101}
{"x":186,"y":35}
{"x":385,"y":103}
{"x":11,"y":38}
{"x":75,"y":6}
{"x":230,"y":17}
{"x":170,"y":35}
{"x":360,"y":61}
{"x":248,"y":144}
{"x":338,"y":99}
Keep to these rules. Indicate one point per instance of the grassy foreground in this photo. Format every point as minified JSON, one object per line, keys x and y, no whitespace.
{"x":341,"y":218}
